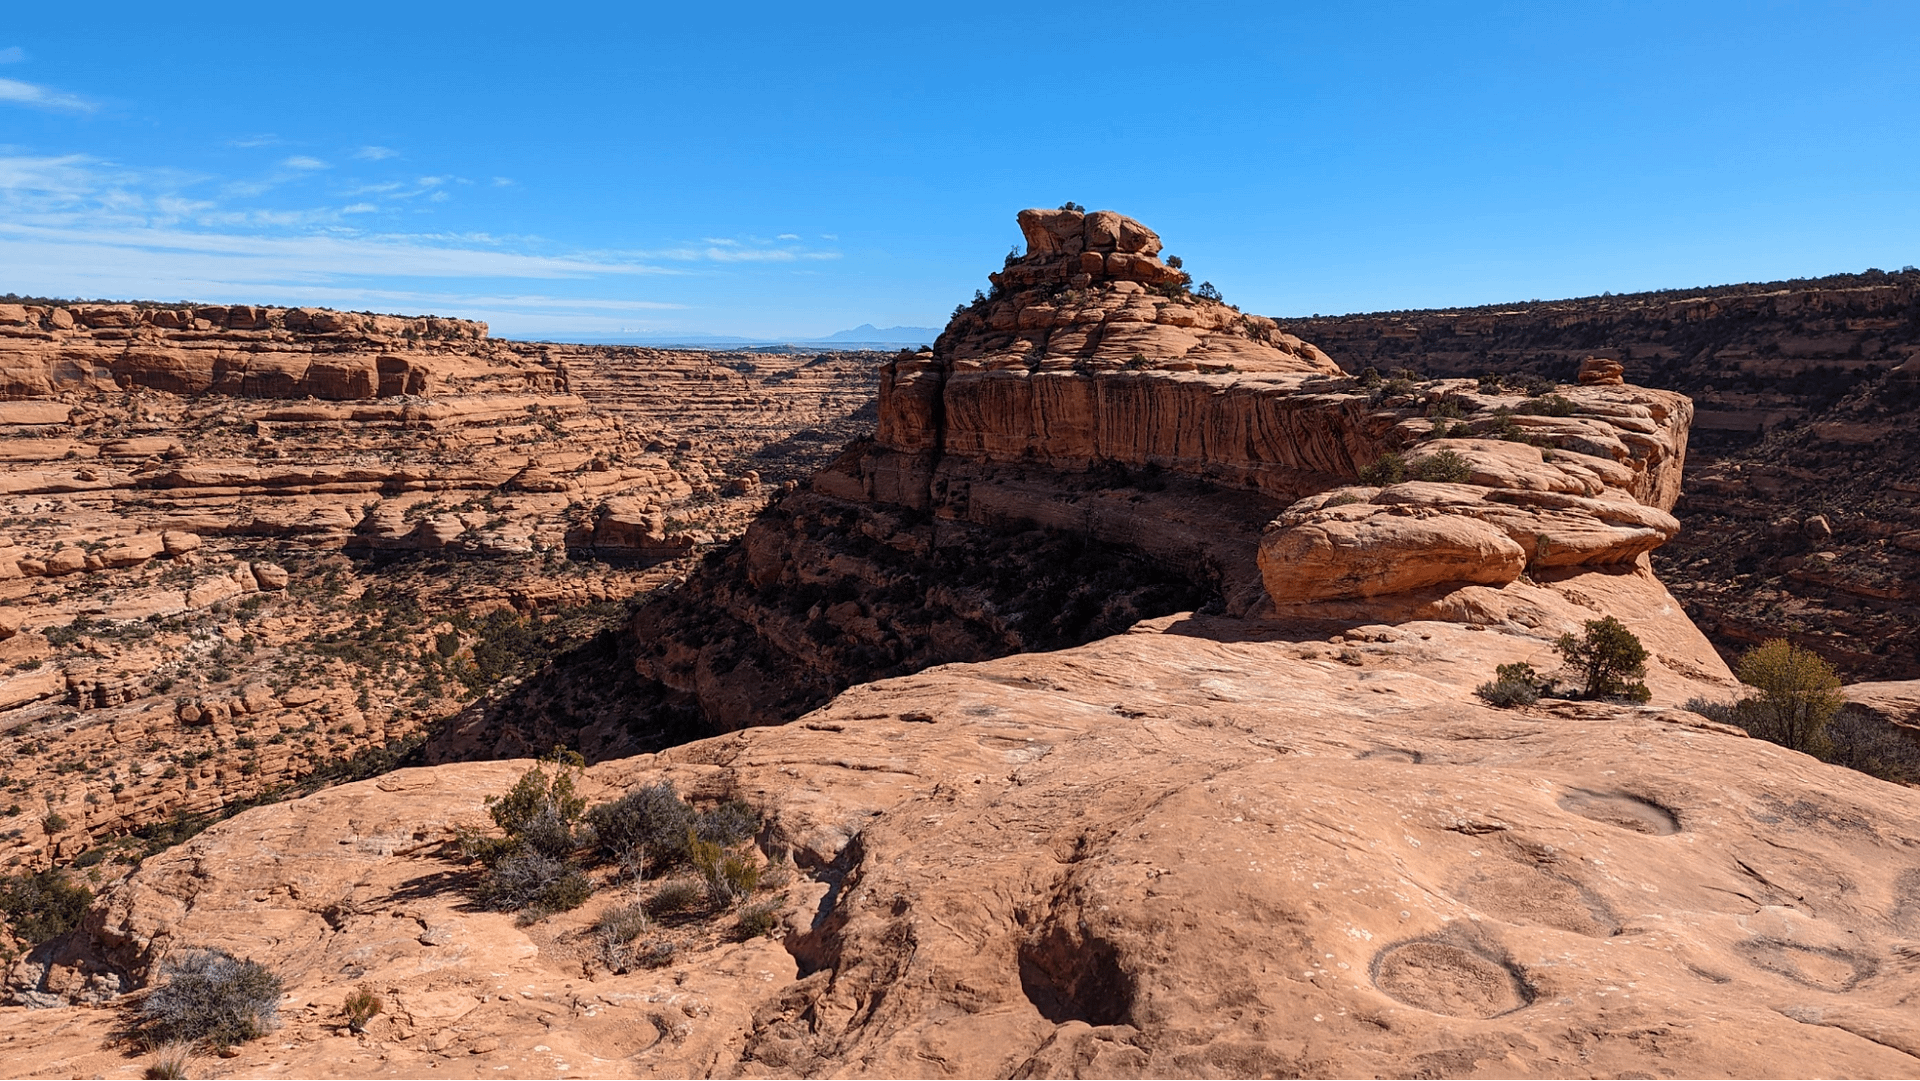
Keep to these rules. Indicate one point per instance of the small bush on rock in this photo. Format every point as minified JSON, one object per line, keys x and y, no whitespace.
{"x":1610,"y":657}
{"x":1799,"y":692}
{"x":676,"y":896}
{"x":211,"y":998}
{"x":530,"y":879}
{"x":1512,"y":685}
{"x":362,"y":1006}
{"x":730,"y":876}
{"x":1388,"y":469}
{"x":646,"y":828}
{"x":1447,"y":467}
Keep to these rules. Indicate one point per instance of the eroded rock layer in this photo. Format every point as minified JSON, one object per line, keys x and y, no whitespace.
{"x":1801,"y":505}
{"x":1153,"y":428}
{"x":1214,"y":847}
{"x":179,"y":630}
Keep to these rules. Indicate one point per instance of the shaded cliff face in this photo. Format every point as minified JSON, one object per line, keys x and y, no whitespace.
{"x":1801,"y":518}
{"x":1091,"y":445}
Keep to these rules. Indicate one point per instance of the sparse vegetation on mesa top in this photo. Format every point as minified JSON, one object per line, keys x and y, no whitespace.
{"x":1513,"y":685}
{"x":551,"y":843}
{"x":1609,"y":657}
{"x":1797,"y":703}
{"x":210,"y":998}
{"x":1391,"y":468}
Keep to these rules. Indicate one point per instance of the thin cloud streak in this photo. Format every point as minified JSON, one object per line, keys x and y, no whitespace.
{"x":22,"y":93}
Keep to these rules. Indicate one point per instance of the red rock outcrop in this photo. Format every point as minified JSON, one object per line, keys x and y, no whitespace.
{"x":1806,"y":397}
{"x":1211,"y":847}
{"x":1116,"y":451}
{"x":175,"y":502}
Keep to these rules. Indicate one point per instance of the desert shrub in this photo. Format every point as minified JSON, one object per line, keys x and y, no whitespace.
{"x":676,"y":896}
{"x":1513,"y":685}
{"x":1508,"y":694}
{"x":1389,"y":468}
{"x":531,"y":879}
{"x":1446,"y":466}
{"x":646,"y":828}
{"x":730,"y":876}
{"x":728,"y":824}
{"x":542,"y":811}
{"x":1722,"y":712}
{"x":1369,"y":378}
{"x":1859,"y":740}
{"x":42,"y":905}
{"x":170,"y":1062}
{"x":1207,"y":291}
{"x":615,"y":937}
{"x":211,"y":997}
{"x":1449,"y":407}
{"x":1547,"y":405}
{"x":757,"y":920}
{"x":1609,"y":657}
{"x":1492,"y":383}
{"x":362,"y":1006}
{"x":1799,"y":693}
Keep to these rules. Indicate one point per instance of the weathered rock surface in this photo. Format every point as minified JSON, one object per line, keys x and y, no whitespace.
{"x":1214,"y":847}
{"x":897,"y":556}
{"x":173,"y":520}
{"x":1806,"y":393}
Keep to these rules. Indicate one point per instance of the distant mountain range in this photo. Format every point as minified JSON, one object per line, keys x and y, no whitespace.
{"x":864,"y":336}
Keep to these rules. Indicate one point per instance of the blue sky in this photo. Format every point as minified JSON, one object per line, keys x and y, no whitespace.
{"x":575,"y":170}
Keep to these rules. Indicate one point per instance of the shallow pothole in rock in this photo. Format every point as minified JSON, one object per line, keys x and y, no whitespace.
{"x":1449,"y":979}
{"x":1823,"y":968}
{"x":1621,"y":810}
{"x":1392,"y":754}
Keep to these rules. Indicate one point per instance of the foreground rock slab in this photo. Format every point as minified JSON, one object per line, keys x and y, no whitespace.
{"x":1211,"y":847}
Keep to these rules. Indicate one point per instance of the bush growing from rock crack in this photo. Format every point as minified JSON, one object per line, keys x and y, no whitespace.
{"x":1610,"y":657}
{"x":213,"y":998}
{"x":361,"y":1006}
{"x":1799,"y":692}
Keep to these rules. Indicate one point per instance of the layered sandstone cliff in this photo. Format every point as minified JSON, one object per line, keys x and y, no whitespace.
{"x":1091,"y":421}
{"x":1279,"y":836}
{"x":242,"y":548}
{"x":1800,"y":501}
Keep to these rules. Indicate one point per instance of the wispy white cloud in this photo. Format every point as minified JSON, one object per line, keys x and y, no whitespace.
{"x":21,"y":93}
{"x":376,"y":153}
{"x":250,"y":142}
{"x":81,"y":225}
{"x":788,"y":236}
{"x":304,"y":163}
{"x":12,"y":54}
{"x":503,"y":182}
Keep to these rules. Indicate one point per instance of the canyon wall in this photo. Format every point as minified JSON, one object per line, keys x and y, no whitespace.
{"x":1802,"y":515}
{"x":1093,"y":444}
{"x":1279,"y":835}
{"x":247,"y":548}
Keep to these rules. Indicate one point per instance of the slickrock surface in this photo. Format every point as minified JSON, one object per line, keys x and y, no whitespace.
{"x":1214,"y":847}
{"x":1056,"y":438}
{"x":1801,"y":507}
{"x":178,"y":627}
